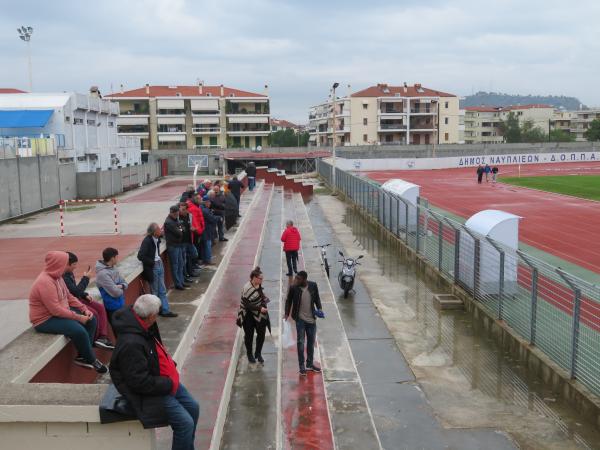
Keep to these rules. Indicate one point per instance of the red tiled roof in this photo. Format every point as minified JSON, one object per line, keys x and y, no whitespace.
{"x":483,"y":108}
{"x":11,"y":91}
{"x":531,"y":106}
{"x":184,"y":91}
{"x":384,"y":90}
{"x":505,"y":108}
{"x":283,"y":123}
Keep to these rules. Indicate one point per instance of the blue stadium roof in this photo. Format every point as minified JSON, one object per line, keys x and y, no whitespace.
{"x":25,"y":118}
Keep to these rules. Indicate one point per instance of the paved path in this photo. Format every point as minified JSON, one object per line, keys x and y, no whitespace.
{"x":561,"y":225}
{"x":204,"y":372}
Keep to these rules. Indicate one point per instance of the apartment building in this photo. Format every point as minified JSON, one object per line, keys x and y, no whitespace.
{"x":82,"y":128}
{"x":194,"y":117}
{"x":580,"y":122}
{"x":483,"y":123}
{"x":387,"y":115}
{"x":282,"y":125}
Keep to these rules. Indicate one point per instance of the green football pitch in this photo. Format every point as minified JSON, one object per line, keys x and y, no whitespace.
{"x":583,"y":186}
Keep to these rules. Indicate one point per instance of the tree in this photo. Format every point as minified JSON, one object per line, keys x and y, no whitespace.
{"x":288,"y":138}
{"x":593,"y":132}
{"x":561,"y":136}
{"x":530,"y":133}
{"x":510,"y":128}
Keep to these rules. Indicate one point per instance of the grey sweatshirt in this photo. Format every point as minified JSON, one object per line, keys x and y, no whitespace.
{"x":108,"y":278}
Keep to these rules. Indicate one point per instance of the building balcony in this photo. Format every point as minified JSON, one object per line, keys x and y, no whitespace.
{"x":136,"y":113}
{"x":248,"y":133}
{"x":247,"y":118}
{"x":206,"y":130}
{"x":391,"y":112}
{"x":141,"y":134}
{"x":391,"y":127}
{"x":424,"y":111}
{"x":397,"y":142}
{"x":207,"y":146}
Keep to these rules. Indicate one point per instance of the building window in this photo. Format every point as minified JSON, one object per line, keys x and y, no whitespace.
{"x":446,"y":105}
{"x":213,"y":140}
{"x":365,"y":121}
{"x":446,"y":136}
{"x":111,"y":124}
{"x":237,"y":141}
{"x":77,"y":121}
{"x":365,"y":138}
{"x":67,"y":119}
{"x":258,"y":140}
{"x":91,"y":122}
{"x":445,"y":120}
{"x":199,"y":140}
{"x":365,"y":105}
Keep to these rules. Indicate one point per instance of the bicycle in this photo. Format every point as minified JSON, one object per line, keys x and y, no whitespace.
{"x":323,"y":249}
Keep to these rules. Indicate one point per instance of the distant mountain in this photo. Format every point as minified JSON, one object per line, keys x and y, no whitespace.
{"x":497,"y":99}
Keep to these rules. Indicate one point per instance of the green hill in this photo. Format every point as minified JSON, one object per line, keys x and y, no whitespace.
{"x":497,"y":99}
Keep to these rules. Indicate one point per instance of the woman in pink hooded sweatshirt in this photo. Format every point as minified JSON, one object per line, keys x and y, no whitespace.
{"x":53,"y":310}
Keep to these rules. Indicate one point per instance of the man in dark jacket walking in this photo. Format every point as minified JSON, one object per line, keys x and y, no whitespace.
{"x":146,"y":375}
{"x":154,"y":270}
{"x":251,"y":174}
{"x":303,"y":303}
{"x":235,"y":187}
{"x":174,"y":237}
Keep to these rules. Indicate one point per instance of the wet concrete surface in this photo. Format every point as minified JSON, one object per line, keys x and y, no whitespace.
{"x":436,"y":379}
{"x":252,"y":412}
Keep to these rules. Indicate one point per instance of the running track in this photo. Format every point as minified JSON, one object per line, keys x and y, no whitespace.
{"x":564,"y":226}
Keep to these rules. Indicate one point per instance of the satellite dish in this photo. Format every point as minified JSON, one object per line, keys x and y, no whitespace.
{"x":259,"y":148}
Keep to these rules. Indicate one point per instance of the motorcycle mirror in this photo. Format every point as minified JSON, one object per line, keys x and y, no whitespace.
{"x":360,"y":257}
{"x":341,"y":254}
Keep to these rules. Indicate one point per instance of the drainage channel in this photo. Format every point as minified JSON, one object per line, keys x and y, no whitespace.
{"x":434,"y":379}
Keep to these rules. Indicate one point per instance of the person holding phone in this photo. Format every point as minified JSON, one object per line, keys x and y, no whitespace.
{"x":53,"y":310}
{"x":78,"y":290}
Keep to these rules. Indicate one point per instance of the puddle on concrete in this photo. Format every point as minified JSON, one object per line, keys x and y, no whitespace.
{"x":469,"y":380}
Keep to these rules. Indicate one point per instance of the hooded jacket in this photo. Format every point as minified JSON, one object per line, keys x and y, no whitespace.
{"x":107,"y":280}
{"x":291,"y":239}
{"x":49,"y":296}
{"x":135,"y":369}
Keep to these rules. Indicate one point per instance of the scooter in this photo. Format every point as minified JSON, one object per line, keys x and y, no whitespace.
{"x":348,"y":273}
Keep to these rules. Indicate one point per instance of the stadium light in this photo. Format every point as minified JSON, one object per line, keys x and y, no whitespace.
{"x":25,"y":35}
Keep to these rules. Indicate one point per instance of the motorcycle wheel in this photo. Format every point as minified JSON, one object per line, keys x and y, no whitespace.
{"x":346,"y":291}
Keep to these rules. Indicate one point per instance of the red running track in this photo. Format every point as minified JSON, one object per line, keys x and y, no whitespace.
{"x":171,"y":190}
{"x":561,"y":225}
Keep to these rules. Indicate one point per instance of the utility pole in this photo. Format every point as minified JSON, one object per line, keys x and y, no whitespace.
{"x":25,"y":35}
{"x":335,"y":85}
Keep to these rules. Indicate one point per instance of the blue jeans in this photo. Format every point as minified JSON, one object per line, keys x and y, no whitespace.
{"x":207,"y":250}
{"x":191,"y":255}
{"x":158,"y":285}
{"x":81,"y":335}
{"x":176,"y":259}
{"x":183,"y":412}
{"x":310,"y":329}
{"x":251,"y":183}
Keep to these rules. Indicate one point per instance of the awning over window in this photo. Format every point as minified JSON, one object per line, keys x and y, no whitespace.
{"x":25,"y":118}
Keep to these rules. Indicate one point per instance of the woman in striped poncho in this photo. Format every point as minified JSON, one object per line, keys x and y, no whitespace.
{"x":253,"y":315}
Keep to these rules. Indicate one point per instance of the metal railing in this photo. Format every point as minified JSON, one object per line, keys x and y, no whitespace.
{"x":543,"y":304}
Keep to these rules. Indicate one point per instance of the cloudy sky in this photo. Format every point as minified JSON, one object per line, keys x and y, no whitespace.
{"x":299,"y":48}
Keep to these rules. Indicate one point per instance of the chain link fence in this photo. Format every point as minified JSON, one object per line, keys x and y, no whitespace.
{"x":548,"y":307}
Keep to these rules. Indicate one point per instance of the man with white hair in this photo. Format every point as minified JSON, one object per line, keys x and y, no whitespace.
{"x":145,"y":374}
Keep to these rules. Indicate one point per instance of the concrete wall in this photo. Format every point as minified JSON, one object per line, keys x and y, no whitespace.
{"x":106,"y":183}
{"x":30,"y":184}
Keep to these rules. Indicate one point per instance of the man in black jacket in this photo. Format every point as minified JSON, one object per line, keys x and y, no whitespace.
{"x":302,"y":302}
{"x":251,"y":174}
{"x":146,"y":375}
{"x":174,"y":237}
{"x":154,"y":270}
{"x":217,"y":206}
{"x":235,"y":187}
{"x":210,"y":222}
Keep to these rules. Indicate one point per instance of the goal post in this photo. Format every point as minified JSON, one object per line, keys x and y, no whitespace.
{"x":63,"y":207}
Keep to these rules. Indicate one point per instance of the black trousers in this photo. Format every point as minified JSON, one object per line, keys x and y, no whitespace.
{"x":250,"y":324}
{"x":291,"y":258}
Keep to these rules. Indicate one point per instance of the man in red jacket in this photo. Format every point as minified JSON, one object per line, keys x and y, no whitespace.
{"x":197,"y":222}
{"x":291,"y":244}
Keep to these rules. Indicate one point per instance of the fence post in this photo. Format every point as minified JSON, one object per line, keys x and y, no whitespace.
{"x":383,"y":209}
{"x":575,"y":340}
{"x":456,"y":255}
{"x":440,"y":243}
{"x":476,"y":256}
{"x":406,"y":224}
{"x":397,"y":216}
{"x":534,"y":289}
{"x":418,"y":237}
{"x":501,"y":288}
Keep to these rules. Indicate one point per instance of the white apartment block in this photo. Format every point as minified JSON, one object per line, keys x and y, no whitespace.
{"x":82,"y":127}
{"x":580,"y":122}
{"x":194,"y":117}
{"x":483,"y":123}
{"x":387,"y":115}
